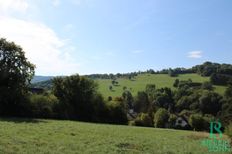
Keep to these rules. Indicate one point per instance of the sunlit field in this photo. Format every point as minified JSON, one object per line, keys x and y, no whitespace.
{"x":54,"y":136}
{"x":140,"y":82}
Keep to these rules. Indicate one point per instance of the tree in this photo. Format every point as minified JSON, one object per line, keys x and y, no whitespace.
{"x":198,"y":122}
{"x":161,"y":118}
{"x":228,"y":92}
{"x":150,"y":90}
{"x":128,"y":99}
{"x":210,"y":103}
{"x":176,"y":83}
{"x":124,"y":88}
{"x":164,"y":99}
{"x":183,"y":103}
{"x":220,"y":79}
{"x":171,"y":73}
{"x":78,"y":96}
{"x":207,"y":86}
{"x":141,"y":102}
{"x":172,"y":120}
{"x":16,"y":73}
{"x":111,"y":88}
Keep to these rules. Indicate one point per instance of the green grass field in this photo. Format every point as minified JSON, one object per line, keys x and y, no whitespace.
{"x":140,"y":82}
{"x":19,"y":136}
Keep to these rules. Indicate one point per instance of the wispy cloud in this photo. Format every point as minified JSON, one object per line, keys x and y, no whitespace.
{"x":50,"y":53}
{"x":195,"y":54}
{"x":7,"y":6}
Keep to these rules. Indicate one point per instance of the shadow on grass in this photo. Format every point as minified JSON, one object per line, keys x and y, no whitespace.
{"x":21,"y":120}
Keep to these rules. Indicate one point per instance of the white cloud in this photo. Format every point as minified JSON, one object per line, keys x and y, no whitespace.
{"x":13,"y":5}
{"x":41,"y":45}
{"x":137,"y":51}
{"x":195,"y":54}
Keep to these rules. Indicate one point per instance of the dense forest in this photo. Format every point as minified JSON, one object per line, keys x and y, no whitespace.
{"x":190,"y":106}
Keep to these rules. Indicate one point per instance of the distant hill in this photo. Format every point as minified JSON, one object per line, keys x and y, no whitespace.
{"x":41,"y":78}
{"x":218,"y":74}
{"x":138,"y":83}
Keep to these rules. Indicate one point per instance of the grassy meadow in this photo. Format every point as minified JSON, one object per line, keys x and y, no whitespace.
{"x":56,"y":136}
{"x":140,"y":82}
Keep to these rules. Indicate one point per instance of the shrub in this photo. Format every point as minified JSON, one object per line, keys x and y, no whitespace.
{"x":210,"y":103}
{"x":161,"y":118}
{"x":141,"y":103}
{"x":198,"y":122}
{"x":116,"y":113}
{"x":119,"y":99}
{"x":228,"y":92}
{"x":228,"y":130}
{"x":110,"y":98}
{"x":42,"y":106}
{"x":207,"y":86}
{"x":143,"y":120}
{"x":78,"y":97}
{"x":172,"y":120}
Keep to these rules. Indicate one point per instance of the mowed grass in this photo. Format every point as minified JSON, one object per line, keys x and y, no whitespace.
{"x":19,"y":136}
{"x":140,"y":82}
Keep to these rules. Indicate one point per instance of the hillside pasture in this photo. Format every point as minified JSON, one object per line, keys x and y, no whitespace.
{"x":56,"y":136}
{"x":139,"y":83}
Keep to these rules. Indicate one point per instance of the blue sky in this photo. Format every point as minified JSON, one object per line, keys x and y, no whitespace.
{"x":64,"y":37}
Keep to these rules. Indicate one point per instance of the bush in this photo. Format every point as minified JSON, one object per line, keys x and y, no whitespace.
{"x":228,"y":92}
{"x":78,"y":97}
{"x":110,"y":98}
{"x":207,"y":86}
{"x":183,"y":103}
{"x":161,"y":118}
{"x":220,"y":79}
{"x":42,"y":106}
{"x":198,"y":122}
{"x":141,"y":103}
{"x":116,"y":113}
{"x":143,"y":120}
{"x":172,"y":120}
{"x":210,"y":103}
{"x":228,"y":130}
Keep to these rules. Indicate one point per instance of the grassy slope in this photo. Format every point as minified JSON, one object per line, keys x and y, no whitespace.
{"x":53,"y":136}
{"x":160,"y":80}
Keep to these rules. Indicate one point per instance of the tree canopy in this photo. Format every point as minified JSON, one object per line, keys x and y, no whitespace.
{"x":16,"y":73}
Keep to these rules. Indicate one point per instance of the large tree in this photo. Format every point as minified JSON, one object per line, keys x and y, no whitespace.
{"x":78,"y":97}
{"x":16,"y":73}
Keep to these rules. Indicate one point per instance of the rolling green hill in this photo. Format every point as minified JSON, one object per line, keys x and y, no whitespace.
{"x":139,"y":83}
{"x":56,"y":136}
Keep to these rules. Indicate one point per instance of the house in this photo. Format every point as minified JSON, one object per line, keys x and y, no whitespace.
{"x":131,"y":115}
{"x":182,"y":123}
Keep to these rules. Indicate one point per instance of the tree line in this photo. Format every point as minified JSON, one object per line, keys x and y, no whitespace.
{"x":77,"y":98}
